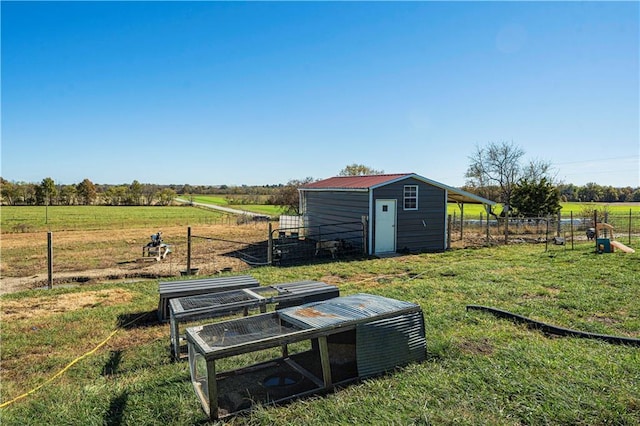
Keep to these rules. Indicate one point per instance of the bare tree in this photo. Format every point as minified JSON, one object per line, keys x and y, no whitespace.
{"x":498,"y":165}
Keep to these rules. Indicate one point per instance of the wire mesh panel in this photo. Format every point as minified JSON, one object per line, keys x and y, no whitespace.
{"x":172,"y":289}
{"x":185,"y":304}
{"x":200,"y":307}
{"x":244,"y":330}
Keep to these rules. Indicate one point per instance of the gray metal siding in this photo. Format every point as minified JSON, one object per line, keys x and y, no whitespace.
{"x":389,"y":343}
{"x":422,"y":229}
{"x":324,"y":208}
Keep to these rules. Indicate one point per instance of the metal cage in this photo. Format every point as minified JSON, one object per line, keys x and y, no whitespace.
{"x":195,"y":308}
{"x":349,"y":338}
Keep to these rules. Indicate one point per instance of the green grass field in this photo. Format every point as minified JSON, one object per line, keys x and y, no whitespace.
{"x":58,"y":218}
{"x":266,"y":209}
{"x":474,"y":210}
{"x":480,"y":369}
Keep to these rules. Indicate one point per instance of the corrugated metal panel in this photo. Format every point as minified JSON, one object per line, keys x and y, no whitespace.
{"x":383,"y":345}
{"x":354,"y":182}
{"x":343,"y":309}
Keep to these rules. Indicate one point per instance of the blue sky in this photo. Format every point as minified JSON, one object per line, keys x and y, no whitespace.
{"x":262,"y":93}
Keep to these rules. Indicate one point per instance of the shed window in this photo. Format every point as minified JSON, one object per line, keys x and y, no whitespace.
{"x":411,"y":197}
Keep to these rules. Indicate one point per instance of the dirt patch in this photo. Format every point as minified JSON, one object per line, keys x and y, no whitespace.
{"x":44,"y":306}
{"x":476,"y":347}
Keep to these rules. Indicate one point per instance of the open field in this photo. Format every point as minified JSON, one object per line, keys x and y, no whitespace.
{"x":93,"y":243}
{"x":266,"y":209}
{"x":474,"y":210}
{"x":480,"y":369}
{"x":87,"y":218}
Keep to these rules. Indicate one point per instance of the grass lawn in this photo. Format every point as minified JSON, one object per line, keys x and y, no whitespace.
{"x":480,"y":369}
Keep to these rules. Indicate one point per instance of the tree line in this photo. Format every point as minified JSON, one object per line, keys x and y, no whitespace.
{"x":48,"y":192}
{"x":495,"y":172}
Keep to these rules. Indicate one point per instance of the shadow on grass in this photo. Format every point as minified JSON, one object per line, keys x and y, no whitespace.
{"x":115,"y":413}
{"x":138,"y":320}
{"x":111,"y":366}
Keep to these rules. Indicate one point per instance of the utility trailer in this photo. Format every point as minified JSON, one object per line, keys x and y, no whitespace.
{"x":197,"y":308}
{"x":310,"y":349}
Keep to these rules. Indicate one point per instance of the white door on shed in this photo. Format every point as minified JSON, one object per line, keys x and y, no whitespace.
{"x":385,"y":233}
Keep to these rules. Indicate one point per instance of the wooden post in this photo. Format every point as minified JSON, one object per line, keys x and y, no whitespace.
{"x":270,"y":246}
{"x":488,"y":230}
{"x":189,"y":250}
{"x":324,"y":361}
{"x":50,"y":259}
{"x":454,"y":218}
{"x":558,"y":226}
{"x":212,"y":389}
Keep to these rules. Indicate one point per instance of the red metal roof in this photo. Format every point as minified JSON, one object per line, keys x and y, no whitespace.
{"x":354,"y":182}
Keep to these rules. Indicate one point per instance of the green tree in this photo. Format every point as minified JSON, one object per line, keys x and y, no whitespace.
{"x":536,"y":198}
{"x":135,"y":194}
{"x":288,"y":196}
{"x":166,"y":196}
{"x":46,"y":192}
{"x":590,"y":192}
{"x":359,"y":170}
{"x":149,"y":192}
{"x":87,"y":192}
{"x":68,"y":195}
{"x":9,"y":192}
{"x":116,"y":195}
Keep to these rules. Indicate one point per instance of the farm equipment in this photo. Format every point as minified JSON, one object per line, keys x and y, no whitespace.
{"x":156,"y":249}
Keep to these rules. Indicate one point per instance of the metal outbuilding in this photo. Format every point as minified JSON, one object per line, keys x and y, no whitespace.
{"x":400,"y":212}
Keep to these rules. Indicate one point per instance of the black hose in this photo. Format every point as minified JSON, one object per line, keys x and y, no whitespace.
{"x":552,"y":329}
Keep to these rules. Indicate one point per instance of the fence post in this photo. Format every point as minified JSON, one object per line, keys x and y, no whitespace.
{"x":50,"y":259}
{"x":270,"y":246}
{"x":188,"y":250}
{"x":629,"y":226}
{"x":461,"y":221}
{"x":449,"y":232}
{"x":559,"y":226}
{"x":546,"y":237}
{"x":506,"y":228}
{"x":595,"y":226}
{"x":571,"y":212}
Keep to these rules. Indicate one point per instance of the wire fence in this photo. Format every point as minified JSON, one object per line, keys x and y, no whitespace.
{"x":568,"y":228}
